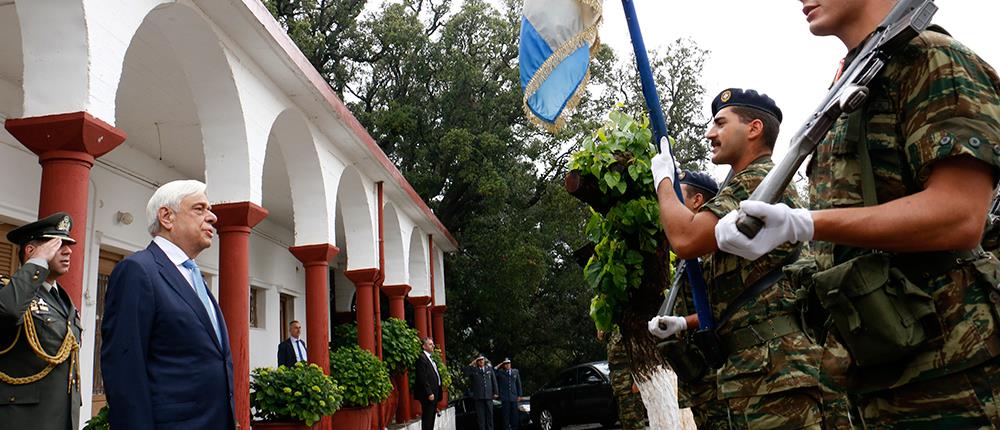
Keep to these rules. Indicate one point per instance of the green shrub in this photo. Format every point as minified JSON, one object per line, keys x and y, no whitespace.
{"x":344,"y":335}
{"x":364,"y":377}
{"x":400,"y":345}
{"x":298,"y":393}
{"x":99,"y":421}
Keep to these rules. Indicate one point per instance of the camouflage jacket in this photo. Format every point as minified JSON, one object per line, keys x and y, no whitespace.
{"x":779,"y":364}
{"x":935,"y":99}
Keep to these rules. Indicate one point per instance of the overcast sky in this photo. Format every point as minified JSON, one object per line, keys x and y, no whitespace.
{"x":766,"y":45}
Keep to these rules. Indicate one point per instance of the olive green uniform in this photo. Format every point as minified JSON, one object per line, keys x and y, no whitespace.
{"x":38,"y":392}
{"x":631,"y":410}
{"x":935,"y":100}
{"x":771,"y":379}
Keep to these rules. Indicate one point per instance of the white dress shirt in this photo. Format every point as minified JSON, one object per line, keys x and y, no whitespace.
{"x":434,"y":365}
{"x":176,"y":256}
{"x":300,"y":349}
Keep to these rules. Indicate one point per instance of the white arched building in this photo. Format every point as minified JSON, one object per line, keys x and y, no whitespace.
{"x":104,"y":100}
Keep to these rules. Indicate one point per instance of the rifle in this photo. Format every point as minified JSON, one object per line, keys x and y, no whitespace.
{"x":667,"y":307}
{"x":905,"y":21}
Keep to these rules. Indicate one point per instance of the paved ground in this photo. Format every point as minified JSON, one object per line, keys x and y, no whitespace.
{"x":589,"y":427}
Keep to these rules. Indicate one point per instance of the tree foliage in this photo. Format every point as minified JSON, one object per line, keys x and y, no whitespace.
{"x":436,"y":84}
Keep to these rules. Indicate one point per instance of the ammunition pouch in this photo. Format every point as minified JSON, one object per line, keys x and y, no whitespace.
{"x":685,"y":359}
{"x":880,"y":315}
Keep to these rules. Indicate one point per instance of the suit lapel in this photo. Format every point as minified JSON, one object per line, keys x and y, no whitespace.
{"x":173,"y":276}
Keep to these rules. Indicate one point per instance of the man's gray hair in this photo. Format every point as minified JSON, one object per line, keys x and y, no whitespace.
{"x":169,"y":196}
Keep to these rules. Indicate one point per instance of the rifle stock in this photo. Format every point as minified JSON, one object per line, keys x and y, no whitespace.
{"x":904,"y":22}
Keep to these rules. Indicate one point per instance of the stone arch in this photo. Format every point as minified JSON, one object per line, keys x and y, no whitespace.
{"x":198,"y":128}
{"x":355,"y":217}
{"x":439,"y":290}
{"x":395,"y":258}
{"x":419,"y":281}
{"x":55,"y":66}
{"x":294,"y":187}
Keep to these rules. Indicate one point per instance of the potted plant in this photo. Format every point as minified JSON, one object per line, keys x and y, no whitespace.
{"x":296,"y":397}
{"x":366,"y":382}
{"x":400,"y":349}
{"x":99,"y":421}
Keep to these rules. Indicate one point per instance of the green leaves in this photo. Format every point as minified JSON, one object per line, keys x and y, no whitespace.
{"x":298,"y":393}
{"x":400,"y":345}
{"x":364,"y":377}
{"x":618,"y":155}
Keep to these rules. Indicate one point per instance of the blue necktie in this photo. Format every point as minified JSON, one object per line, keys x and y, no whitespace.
{"x":298,"y":348}
{"x":202,"y":290}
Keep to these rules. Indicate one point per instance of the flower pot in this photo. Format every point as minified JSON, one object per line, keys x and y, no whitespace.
{"x":354,"y":418}
{"x":389,"y":408}
{"x":261,"y":425}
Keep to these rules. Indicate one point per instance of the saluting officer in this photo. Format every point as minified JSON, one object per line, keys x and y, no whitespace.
{"x":39,"y":332}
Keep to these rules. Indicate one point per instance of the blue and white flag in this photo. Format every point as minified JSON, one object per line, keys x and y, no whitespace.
{"x":557,"y":37}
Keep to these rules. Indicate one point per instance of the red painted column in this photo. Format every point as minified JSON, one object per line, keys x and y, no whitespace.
{"x":234,"y":224}
{"x":420,"y":304}
{"x":364,"y":281}
{"x":316,"y":259}
{"x":397,"y":294}
{"x":437,"y":325}
{"x":67,"y":145}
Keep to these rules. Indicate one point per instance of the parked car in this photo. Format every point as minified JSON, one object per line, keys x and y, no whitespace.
{"x":465,"y":414}
{"x":579,"y":395}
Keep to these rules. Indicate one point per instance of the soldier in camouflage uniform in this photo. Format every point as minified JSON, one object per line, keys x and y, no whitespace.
{"x":931,"y":131}
{"x":631,"y":411}
{"x":771,"y":376}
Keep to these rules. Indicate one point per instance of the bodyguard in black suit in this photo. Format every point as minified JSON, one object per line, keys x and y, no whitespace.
{"x":293,"y":349}
{"x":428,"y":385}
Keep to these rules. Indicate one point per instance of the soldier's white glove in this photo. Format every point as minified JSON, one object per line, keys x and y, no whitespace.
{"x":781,"y":224}
{"x":662,"y":164}
{"x":666,"y":326}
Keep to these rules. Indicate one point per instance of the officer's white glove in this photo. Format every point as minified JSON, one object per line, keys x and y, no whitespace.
{"x":664,"y":327}
{"x":662,"y":164}
{"x":781,"y":224}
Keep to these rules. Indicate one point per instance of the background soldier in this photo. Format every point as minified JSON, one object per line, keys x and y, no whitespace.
{"x":930,"y":133}
{"x":770,"y":378}
{"x":631,"y":411}
{"x":509,"y":383}
{"x":39,"y":332}
{"x":483,"y":384}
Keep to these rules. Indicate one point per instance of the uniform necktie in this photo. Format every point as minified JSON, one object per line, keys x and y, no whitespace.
{"x":202,"y":290}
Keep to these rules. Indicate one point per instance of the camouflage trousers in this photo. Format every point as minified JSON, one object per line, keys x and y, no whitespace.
{"x":969,"y":399}
{"x":631,"y":410}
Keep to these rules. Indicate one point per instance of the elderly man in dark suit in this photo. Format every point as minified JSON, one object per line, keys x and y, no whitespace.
{"x":39,"y":332}
{"x":428,"y":385}
{"x":165,"y":353}
{"x":293,"y":349}
{"x":483,"y":384}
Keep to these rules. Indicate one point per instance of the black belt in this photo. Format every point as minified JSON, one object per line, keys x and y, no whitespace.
{"x":756,"y":334}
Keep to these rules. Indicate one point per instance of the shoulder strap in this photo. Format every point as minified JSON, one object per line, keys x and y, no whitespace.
{"x":758,"y":287}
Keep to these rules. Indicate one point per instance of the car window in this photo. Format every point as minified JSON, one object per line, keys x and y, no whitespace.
{"x":590,"y":376}
{"x":565,"y":379}
{"x":603,"y":368}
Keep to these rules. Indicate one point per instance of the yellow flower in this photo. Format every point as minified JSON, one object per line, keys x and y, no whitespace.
{"x":315,"y":388}
{"x":287,"y":390}
{"x":298,"y":394}
{"x":322,"y":404}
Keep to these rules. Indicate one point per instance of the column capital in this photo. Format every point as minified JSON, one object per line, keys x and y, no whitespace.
{"x":73,"y":132}
{"x":319,"y":254}
{"x":438,"y":309}
{"x":362,"y":276}
{"x":421,"y":301}
{"x":400,"y":290}
{"x":238,"y":215}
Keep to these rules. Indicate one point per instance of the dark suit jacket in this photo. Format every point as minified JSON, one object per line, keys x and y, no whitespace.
{"x":427,"y":379}
{"x":45,"y":404}
{"x":162,"y":364}
{"x":286,"y":352}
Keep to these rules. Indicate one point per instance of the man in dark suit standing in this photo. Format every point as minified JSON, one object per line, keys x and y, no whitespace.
{"x":483,"y":384}
{"x":293,"y":349}
{"x":39,"y":332}
{"x":428,"y":385}
{"x":165,"y":353}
